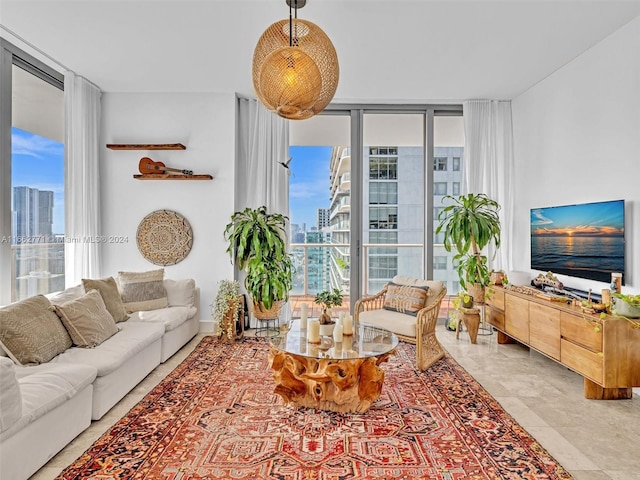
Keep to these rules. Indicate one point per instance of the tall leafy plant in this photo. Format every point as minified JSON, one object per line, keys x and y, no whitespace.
{"x":257,"y":246}
{"x":469,"y":225}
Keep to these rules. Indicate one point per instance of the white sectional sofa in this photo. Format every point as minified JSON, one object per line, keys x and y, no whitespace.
{"x":44,"y":407}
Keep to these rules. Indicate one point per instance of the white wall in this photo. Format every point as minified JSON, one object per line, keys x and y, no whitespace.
{"x":205,"y":124}
{"x":577,"y":139}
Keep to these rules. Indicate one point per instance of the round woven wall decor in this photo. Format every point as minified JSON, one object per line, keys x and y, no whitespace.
{"x":164,"y":237}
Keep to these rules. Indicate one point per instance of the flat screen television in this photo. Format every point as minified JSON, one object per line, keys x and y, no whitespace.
{"x":584,"y":240}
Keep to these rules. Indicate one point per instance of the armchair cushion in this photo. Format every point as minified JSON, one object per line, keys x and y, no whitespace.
{"x":435,"y":286}
{"x":405,"y":298}
{"x":396,"y":322}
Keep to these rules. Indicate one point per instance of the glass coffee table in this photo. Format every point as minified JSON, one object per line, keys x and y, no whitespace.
{"x":341,"y":377}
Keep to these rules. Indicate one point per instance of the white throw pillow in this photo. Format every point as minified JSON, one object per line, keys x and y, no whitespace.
{"x":66,"y":295}
{"x":181,"y":293}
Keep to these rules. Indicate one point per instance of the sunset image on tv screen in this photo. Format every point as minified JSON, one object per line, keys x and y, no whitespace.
{"x":585,"y":240}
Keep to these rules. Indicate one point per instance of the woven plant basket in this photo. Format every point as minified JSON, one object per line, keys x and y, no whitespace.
{"x":477,"y":292}
{"x":262,"y":313}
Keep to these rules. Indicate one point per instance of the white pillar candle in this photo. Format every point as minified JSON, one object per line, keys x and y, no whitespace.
{"x":337,"y":333}
{"x":313,"y":331}
{"x":347,"y":325}
{"x":304,"y":315}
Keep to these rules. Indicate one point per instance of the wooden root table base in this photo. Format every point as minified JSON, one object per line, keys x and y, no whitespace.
{"x":338,"y":385}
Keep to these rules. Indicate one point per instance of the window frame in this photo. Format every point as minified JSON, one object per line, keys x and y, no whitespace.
{"x":11,"y":55}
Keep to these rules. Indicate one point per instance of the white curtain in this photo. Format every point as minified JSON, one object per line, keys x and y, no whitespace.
{"x":488,"y":165}
{"x":261,"y":179}
{"x":82,"y":193}
{"x":263,"y":144}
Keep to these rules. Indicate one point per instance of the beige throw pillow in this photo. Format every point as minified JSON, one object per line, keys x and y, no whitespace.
{"x":87,"y":320}
{"x":143,"y":290}
{"x":30,"y":333}
{"x":405,"y":299}
{"x":110,"y":294}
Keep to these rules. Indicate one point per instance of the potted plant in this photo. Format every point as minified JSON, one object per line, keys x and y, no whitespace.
{"x":469,"y":225}
{"x":626,"y":305}
{"x":257,"y":245}
{"x":328,"y":299}
{"x":226,"y":310}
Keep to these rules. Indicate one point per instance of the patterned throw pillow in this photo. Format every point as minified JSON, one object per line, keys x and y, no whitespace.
{"x":110,"y":294}
{"x":30,"y":333}
{"x":405,"y":299}
{"x":143,"y":290}
{"x":87,"y":320}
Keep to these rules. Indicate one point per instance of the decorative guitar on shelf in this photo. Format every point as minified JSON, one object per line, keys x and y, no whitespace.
{"x":147,"y":165}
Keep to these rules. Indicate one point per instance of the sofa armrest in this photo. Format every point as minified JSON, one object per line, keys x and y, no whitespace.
{"x":10,"y":396}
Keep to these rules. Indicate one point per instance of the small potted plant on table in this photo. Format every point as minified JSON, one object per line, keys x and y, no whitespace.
{"x":328,"y":299}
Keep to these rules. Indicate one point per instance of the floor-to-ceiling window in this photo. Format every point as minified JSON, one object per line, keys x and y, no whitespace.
{"x":372,"y":203}
{"x":32,"y":171}
{"x":448,"y":153}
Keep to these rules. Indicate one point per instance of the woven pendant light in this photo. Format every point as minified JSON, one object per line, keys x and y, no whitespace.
{"x":295,"y":68}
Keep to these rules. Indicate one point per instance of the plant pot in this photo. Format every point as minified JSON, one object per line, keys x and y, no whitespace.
{"x":326,"y":330}
{"x":467,"y":304}
{"x":497,"y":278}
{"x":262,"y":313}
{"x":477,"y":292}
{"x":626,"y":310}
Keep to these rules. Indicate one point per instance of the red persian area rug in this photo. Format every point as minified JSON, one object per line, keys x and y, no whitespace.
{"x":216,"y":417}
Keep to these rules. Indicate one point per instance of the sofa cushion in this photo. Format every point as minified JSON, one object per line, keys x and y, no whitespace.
{"x":108,"y":289}
{"x":181,"y":293}
{"x":66,"y":295}
{"x":143,"y":290}
{"x":45,"y":387}
{"x":30,"y":333}
{"x":170,"y":317}
{"x":115,"y":351}
{"x":87,"y":320}
{"x":398,"y":323}
{"x":405,"y":298}
{"x":10,"y":397}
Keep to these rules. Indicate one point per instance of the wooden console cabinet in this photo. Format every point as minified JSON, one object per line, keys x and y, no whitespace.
{"x":608,"y":359}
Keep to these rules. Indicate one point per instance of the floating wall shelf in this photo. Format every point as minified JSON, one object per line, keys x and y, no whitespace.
{"x":146,"y":146}
{"x":169,"y":176}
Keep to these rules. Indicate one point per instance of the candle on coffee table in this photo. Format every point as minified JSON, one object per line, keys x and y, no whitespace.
{"x":347,"y":325}
{"x":313,"y":331}
{"x":304,"y":314}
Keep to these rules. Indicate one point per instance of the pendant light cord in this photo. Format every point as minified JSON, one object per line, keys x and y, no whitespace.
{"x":291,"y":24}
{"x":293,"y":14}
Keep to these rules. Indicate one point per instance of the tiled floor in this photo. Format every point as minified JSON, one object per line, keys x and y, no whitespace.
{"x":594,"y":440}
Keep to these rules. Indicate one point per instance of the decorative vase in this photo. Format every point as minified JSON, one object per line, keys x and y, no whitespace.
{"x":497,"y":278}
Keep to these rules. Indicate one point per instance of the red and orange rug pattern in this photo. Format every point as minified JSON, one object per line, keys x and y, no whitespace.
{"x":216,"y":417}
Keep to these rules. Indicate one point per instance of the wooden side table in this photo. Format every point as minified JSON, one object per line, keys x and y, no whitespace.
{"x":471,"y":319}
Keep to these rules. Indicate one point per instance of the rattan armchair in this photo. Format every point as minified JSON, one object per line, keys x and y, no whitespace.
{"x":419,"y":329}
